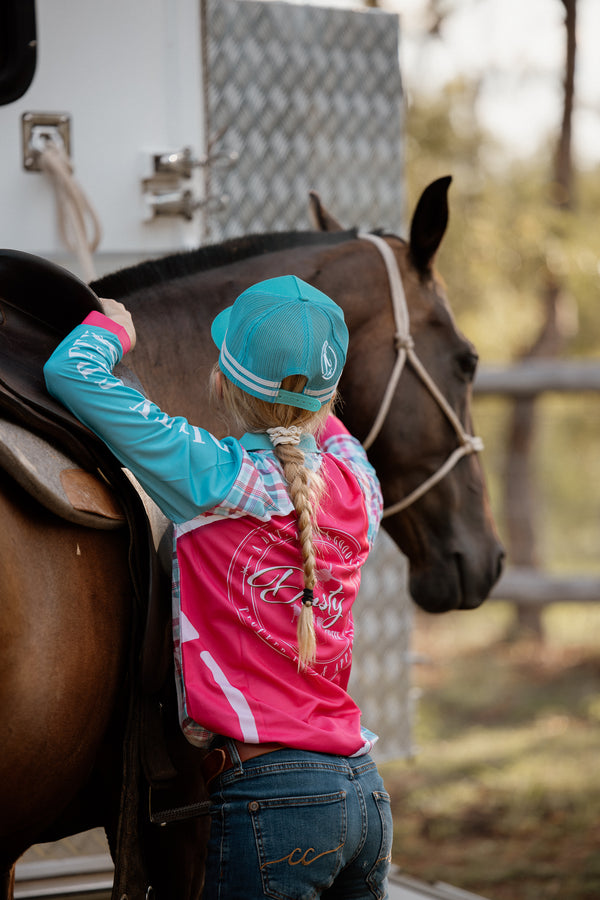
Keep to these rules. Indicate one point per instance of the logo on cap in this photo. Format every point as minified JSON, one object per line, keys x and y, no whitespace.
{"x":328,"y":361}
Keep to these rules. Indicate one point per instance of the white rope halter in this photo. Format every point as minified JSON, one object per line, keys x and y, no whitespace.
{"x":78,"y":223}
{"x":405,"y":350}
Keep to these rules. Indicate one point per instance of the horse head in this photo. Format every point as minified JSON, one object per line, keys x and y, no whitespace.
{"x":422,"y":445}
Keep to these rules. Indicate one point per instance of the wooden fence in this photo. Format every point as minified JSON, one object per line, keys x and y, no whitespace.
{"x":530,"y":586}
{"x":538,"y":376}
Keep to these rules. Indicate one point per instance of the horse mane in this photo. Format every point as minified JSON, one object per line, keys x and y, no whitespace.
{"x":177,"y":265}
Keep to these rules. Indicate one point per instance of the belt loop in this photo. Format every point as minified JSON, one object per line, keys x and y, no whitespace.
{"x":235,"y":756}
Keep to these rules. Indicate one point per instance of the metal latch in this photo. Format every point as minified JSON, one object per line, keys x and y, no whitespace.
{"x":182,"y":162}
{"x":39,"y":128}
{"x":182,"y":202}
{"x":166,"y":191}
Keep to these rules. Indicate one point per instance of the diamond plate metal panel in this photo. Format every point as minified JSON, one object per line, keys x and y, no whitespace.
{"x":311,"y":98}
{"x":381,"y":669}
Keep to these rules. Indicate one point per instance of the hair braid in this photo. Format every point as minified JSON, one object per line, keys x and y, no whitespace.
{"x":252,"y":414}
{"x":302,"y":496}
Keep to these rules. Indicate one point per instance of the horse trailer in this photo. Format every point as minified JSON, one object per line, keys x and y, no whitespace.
{"x":131,"y":129}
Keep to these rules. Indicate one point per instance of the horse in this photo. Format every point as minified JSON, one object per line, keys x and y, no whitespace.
{"x":66,"y":610}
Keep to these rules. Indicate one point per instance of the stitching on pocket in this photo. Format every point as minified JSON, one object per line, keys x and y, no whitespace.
{"x":279,"y":862}
{"x":383,"y":803}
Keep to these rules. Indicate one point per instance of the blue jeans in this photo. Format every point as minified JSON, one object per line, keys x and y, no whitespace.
{"x":297,"y":825}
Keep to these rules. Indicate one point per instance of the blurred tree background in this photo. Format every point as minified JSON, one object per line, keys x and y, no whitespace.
{"x":521,"y":263}
{"x":502,"y":796}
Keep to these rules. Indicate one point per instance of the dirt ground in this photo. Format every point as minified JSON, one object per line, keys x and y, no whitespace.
{"x":503,"y":795}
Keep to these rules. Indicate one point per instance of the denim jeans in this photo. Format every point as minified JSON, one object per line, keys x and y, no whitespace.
{"x":297,"y":825}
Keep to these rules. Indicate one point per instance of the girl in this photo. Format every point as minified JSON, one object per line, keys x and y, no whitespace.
{"x":271,"y":531}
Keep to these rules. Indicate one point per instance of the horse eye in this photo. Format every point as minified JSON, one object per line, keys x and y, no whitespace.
{"x":468,"y":361}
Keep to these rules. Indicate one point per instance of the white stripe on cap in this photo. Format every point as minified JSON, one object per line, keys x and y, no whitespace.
{"x":324,"y":394}
{"x":261,"y":385}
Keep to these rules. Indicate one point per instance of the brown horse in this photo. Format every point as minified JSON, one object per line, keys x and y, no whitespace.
{"x":65,"y":607}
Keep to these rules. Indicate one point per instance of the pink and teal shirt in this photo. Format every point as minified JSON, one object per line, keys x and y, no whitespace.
{"x":237,"y":566}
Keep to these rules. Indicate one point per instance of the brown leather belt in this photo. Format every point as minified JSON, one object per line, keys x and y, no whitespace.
{"x":220,"y":760}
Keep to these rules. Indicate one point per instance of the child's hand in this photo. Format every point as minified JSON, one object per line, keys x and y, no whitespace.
{"x":118,"y":313}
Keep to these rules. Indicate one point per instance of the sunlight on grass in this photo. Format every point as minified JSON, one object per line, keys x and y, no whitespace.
{"x":510,"y":759}
{"x":502,"y":796}
{"x":577,"y":623}
{"x":565,"y":624}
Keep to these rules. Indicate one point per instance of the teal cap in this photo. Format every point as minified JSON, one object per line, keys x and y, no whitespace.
{"x":280,"y":327}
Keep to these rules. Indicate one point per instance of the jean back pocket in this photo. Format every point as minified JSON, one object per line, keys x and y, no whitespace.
{"x":300,"y":843}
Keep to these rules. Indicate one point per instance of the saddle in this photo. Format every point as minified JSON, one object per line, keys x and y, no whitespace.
{"x":56,"y":481}
{"x":42,"y":445}
{"x":67,"y":468}
{"x":40,"y":303}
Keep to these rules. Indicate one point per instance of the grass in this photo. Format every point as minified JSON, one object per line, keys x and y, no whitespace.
{"x":503,"y":795}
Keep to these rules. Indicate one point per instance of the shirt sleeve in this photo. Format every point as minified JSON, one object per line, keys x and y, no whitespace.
{"x":183,"y":467}
{"x":337,"y":440}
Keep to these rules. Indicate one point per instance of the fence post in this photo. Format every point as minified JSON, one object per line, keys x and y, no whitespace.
{"x":520,"y":486}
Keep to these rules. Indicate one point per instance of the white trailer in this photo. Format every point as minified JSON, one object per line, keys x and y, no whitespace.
{"x":115,"y":83}
{"x":193,"y":120}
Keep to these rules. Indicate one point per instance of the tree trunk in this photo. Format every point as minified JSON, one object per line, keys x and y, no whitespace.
{"x":519,"y":477}
{"x":520,"y":494}
{"x":563,"y":165}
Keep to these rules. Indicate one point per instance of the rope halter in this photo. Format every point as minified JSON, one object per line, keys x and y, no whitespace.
{"x":404,"y":345}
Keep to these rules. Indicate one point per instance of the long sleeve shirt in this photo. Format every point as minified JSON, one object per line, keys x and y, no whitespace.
{"x":237,"y":563}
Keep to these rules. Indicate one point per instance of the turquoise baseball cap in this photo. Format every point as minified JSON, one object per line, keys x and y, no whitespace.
{"x":279,"y":327}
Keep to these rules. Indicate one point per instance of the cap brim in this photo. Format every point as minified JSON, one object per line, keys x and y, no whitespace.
{"x":219,"y":327}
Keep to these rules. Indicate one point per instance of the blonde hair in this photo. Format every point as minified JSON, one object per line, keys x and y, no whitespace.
{"x":250,"y":413}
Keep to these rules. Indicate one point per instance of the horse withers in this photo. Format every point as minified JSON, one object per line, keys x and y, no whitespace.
{"x":65,"y":610}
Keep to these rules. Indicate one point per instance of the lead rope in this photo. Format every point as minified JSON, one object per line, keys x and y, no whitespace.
{"x":73,"y":209}
{"x":405,"y":351}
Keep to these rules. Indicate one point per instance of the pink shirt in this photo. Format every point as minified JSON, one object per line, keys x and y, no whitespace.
{"x":237,"y":570}
{"x":236,"y":608}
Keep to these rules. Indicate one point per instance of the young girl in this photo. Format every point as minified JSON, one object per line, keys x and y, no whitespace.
{"x":271,"y":531}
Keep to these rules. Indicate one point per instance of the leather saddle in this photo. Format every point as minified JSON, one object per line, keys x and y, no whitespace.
{"x":56,"y":480}
{"x":40,"y":303}
{"x":49,"y":452}
{"x":68,"y":469}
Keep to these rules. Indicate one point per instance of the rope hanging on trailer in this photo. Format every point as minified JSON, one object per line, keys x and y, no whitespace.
{"x":78,"y":223}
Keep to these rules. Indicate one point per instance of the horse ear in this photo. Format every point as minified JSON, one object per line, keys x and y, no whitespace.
{"x":429,"y":224}
{"x":320,"y":217}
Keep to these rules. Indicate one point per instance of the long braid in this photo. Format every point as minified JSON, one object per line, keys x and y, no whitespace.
{"x":252,"y":414}
{"x":302,"y":496}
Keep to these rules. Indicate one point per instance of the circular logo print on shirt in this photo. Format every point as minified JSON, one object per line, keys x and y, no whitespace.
{"x":266,"y":590}
{"x":328,"y":361}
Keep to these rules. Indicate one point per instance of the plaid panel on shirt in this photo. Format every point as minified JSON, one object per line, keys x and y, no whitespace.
{"x":351,"y":452}
{"x":260,"y":489}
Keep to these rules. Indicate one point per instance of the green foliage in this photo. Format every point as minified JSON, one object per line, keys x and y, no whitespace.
{"x":506,"y":236}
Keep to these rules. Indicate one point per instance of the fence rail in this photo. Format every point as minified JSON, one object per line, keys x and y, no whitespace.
{"x":537,"y":376}
{"x":523,"y":585}
{"x":534,"y":587}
